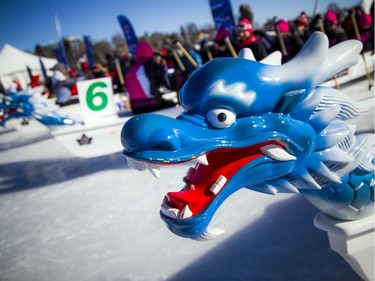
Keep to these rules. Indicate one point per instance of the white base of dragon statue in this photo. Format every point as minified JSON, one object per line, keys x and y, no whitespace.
{"x":353,"y":240}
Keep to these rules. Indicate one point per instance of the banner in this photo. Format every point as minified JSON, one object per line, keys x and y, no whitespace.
{"x":43,"y":69}
{"x":89,"y":55}
{"x":129,"y":34}
{"x":60,"y":53}
{"x":29,"y":72}
{"x":222,"y":14}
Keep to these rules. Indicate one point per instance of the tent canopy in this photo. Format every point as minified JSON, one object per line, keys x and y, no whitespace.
{"x":14,"y":63}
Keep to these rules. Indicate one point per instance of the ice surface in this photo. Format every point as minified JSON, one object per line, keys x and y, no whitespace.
{"x":68,"y":218}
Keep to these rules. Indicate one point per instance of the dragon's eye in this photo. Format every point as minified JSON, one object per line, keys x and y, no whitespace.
{"x":221,"y":118}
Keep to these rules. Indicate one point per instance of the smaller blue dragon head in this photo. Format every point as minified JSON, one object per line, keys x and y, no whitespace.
{"x":33,"y":105}
{"x":257,"y":125}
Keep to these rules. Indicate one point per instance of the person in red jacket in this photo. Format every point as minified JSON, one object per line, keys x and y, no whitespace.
{"x":143,"y":82}
{"x":247,"y":39}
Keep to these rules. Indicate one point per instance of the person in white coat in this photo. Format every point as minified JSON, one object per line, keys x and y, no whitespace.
{"x":62,"y":83}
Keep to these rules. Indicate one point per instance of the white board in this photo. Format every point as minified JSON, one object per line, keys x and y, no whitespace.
{"x":96,"y":99}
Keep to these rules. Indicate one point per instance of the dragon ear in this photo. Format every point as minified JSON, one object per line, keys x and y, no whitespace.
{"x":315,"y":63}
{"x":288,"y":101}
{"x":273,"y":58}
{"x":246,"y":53}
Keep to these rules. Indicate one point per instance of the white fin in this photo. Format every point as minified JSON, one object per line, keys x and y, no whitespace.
{"x":309,"y":180}
{"x":264,"y":188}
{"x":209,"y":234}
{"x":284,"y":186}
{"x":335,"y":154}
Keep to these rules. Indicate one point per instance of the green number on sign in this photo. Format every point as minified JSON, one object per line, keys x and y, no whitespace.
{"x":90,"y":96}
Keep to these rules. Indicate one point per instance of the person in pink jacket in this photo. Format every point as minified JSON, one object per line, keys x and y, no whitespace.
{"x":143,"y":82}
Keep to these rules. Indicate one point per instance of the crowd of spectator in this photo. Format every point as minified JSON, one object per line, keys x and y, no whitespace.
{"x":170,"y":66}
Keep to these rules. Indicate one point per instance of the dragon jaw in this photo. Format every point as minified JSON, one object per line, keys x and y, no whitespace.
{"x":222,"y":165}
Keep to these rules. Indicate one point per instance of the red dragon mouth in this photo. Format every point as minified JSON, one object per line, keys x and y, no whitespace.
{"x":204,"y":182}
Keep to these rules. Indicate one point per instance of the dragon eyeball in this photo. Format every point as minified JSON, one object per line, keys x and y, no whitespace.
{"x":221,"y":118}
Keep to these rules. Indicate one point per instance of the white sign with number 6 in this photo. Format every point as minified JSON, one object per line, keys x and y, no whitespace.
{"x":96,"y":99}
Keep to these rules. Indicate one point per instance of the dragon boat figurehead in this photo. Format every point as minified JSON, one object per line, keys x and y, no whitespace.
{"x":263,"y":126}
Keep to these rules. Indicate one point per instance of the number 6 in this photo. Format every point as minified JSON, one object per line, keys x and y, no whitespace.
{"x":90,"y":96}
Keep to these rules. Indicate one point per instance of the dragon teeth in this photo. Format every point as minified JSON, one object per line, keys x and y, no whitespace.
{"x":175,"y":213}
{"x":186,"y":213}
{"x":277,"y":152}
{"x":218,"y":185}
{"x":154,"y":169}
{"x":202,"y":160}
{"x":142,"y":166}
{"x":138,"y":165}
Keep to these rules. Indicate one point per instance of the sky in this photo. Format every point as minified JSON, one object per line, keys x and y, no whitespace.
{"x":25,"y":23}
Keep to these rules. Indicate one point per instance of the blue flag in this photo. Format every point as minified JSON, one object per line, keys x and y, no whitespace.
{"x":129,"y":34}
{"x":43,"y":69}
{"x":89,"y":55}
{"x":222,"y":14}
{"x":60,"y":53}
{"x":29,"y":72}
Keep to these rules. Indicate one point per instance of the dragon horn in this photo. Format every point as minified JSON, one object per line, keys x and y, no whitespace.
{"x":342,"y":56}
{"x":318,"y":61}
{"x":273,"y":58}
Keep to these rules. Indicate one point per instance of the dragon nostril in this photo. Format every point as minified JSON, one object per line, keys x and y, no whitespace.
{"x":150,"y":131}
{"x":165,"y":140}
{"x":163,"y":146}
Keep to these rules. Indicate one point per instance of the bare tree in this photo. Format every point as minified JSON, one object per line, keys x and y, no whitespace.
{"x":100,"y":50}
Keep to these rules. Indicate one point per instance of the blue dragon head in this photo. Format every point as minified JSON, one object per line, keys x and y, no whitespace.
{"x":27,"y":106}
{"x":15,"y":105}
{"x":262,"y":126}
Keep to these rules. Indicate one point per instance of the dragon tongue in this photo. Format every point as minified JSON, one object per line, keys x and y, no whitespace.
{"x":204,"y":182}
{"x":199,"y":190}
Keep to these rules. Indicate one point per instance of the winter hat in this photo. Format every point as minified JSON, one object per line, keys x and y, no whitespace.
{"x":331,"y":17}
{"x":221,"y":34}
{"x":245,"y":25}
{"x":283,"y":26}
{"x":143,"y":51}
{"x":301,"y":20}
{"x":365,"y":20}
{"x":59,"y":67}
